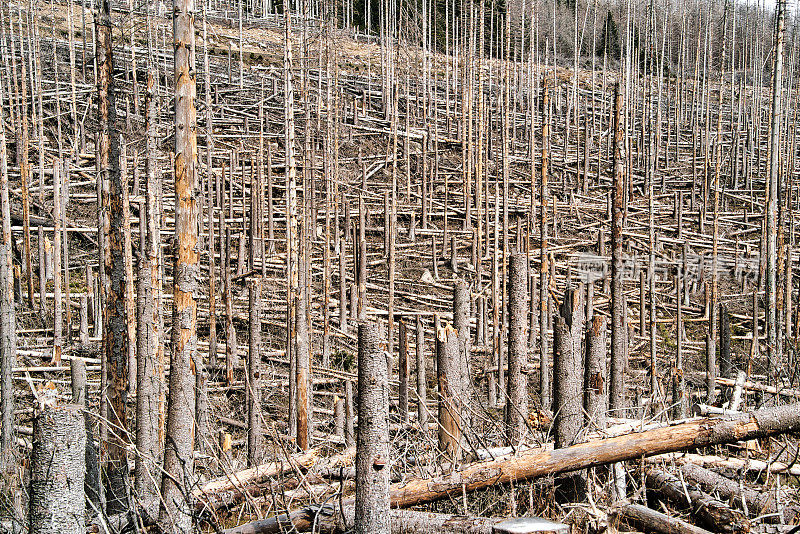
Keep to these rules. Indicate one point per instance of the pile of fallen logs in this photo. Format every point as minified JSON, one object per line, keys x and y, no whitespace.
{"x":717,"y":503}
{"x":338,"y":184}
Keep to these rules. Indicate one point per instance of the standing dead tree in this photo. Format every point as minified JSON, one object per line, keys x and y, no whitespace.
{"x":568,"y":367}
{"x":57,"y":502}
{"x":595,"y":400}
{"x":115,"y":329}
{"x":450,"y":393}
{"x":254,"y":376}
{"x":176,"y":512}
{"x":372,"y":445}
{"x":545,"y":387}
{"x":8,"y":330}
{"x":150,"y":348}
{"x":772,"y":200}
{"x":517,"y":404}
{"x":619,"y":337}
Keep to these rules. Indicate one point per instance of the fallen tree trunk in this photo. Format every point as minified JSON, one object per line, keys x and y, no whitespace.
{"x":652,"y":521}
{"x":540,"y":462}
{"x":758,"y":503}
{"x":684,"y":436}
{"x":708,"y":511}
{"x":762,"y":388}
{"x":328,"y":520}
{"x":229,"y":490}
{"x":730,"y":464}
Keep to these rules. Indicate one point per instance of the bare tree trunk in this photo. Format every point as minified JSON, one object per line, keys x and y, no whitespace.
{"x":652,"y":521}
{"x":568,"y":368}
{"x":461,"y":315}
{"x":43,"y":273}
{"x":707,"y":510}
{"x":422,"y":379}
{"x":680,"y":397}
{"x":342,"y":260}
{"x":362,"y":258}
{"x":150,"y":348}
{"x":449,"y":375}
{"x":24,"y":171}
{"x":372,"y":449}
{"x":115,"y":329}
{"x":725,"y":362}
{"x":303,"y":383}
{"x":231,"y":343}
{"x":403,"y":371}
{"x":758,"y":502}
{"x":771,"y":215}
{"x":517,"y":404}
{"x":349,"y":413}
{"x":254,"y":438}
{"x":8,"y":330}
{"x":175,"y":514}
{"x":212,"y":269}
{"x":57,"y":503}
{"x":147,"y":392}
{"x":616,"y":390}
{"x":292,"y":282}
{"x":595,"y":398}
{"x":545,"y":386}
{"x":58,"y":310}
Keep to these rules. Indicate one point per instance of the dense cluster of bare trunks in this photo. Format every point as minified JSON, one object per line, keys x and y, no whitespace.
{"x":457,"y":267}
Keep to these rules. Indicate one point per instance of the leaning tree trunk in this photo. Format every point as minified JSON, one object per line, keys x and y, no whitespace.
{"x":176,"y":511}
{"x":57,"y":504}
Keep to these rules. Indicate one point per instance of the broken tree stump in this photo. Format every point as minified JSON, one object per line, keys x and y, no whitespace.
{"x":450,"y":392}
{"x":568,"y":368}
{"x":58,"y":464}
{"x":517,"y":405}
{"x":372,"y":439}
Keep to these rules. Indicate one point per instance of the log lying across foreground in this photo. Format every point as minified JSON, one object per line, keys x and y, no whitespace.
{"x":688,"y":435}
{"x":329,"y":520}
